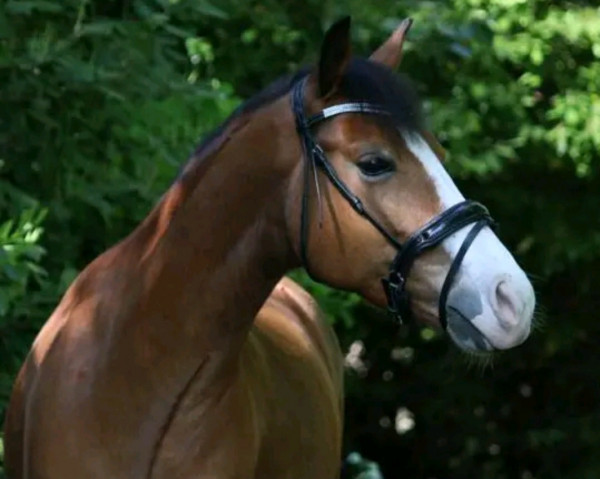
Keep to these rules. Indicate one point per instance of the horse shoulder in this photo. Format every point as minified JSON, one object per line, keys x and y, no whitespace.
{"x":294,"y":316}
{"x":293,"y":365}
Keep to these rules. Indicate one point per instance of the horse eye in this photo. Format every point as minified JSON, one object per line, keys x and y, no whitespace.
{"x":375,"y":166}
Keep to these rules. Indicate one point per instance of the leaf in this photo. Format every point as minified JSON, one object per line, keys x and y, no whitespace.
{"x":4,"y":302}
{"x":210,"y":10}
{"x":5,"y":28}
{"x":11,"y":272}
{"x":27,"y":7}
{"x":101,"y":28}
{"x":177,"y":31}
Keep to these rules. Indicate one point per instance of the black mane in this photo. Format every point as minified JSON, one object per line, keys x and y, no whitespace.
{"x":276,"y":89}
{"x":363,"y":81}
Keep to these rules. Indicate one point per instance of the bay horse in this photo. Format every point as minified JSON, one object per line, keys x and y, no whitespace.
{"x":182,"y":353}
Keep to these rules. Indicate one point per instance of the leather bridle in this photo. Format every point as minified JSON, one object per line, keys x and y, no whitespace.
{"x":432,"y":234}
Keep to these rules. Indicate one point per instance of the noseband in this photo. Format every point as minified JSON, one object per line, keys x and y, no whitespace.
{"x":432,"y":234}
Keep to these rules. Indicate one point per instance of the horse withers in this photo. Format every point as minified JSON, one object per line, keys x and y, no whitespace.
{"x":180,"y":352}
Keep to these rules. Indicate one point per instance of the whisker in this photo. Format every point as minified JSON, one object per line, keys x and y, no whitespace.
{"x":478,"y":359}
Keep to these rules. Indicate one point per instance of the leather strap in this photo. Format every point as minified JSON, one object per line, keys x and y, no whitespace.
{"x":454,"y":269}
{"x":306,"y":140}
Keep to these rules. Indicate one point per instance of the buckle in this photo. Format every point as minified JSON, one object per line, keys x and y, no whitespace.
{"x":397,"y":298}
{"x":318,"y":155}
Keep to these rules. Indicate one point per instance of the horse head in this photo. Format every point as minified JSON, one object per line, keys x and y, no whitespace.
{"x":376,"y":212}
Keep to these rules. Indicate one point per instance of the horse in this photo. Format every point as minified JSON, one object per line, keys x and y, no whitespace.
{"x":180,"y":352}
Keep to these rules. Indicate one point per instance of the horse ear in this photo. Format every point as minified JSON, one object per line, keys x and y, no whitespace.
{"x":335,"y":55}
{"x":390,"y":52}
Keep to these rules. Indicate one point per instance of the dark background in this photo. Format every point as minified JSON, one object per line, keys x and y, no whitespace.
{"x":102,"y":101}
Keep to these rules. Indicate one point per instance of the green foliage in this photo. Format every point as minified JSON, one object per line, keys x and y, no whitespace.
{"x":19,"y":258}
{"x":20,"y":275}
{"x":339,"y":306}
{"x":101,"y":102}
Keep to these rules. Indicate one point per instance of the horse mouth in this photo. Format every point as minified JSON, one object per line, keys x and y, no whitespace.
{"x":465,"y":334}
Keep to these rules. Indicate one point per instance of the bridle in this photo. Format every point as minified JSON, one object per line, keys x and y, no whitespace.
{"x":432,"y":234}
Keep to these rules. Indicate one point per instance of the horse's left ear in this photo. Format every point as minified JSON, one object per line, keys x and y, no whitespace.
{"x":390,"y":52}
{"x":335,"y":55}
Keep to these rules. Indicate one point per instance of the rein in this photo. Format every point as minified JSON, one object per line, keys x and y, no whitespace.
{"x":432,"y":234}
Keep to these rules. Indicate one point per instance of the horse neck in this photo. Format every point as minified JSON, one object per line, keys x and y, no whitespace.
{"x":208,"y":256}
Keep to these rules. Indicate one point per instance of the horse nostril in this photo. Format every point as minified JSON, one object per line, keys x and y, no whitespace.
{"x":507,"y":305}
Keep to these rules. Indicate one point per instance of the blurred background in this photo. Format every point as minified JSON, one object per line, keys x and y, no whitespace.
{"x":102,"y":101}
